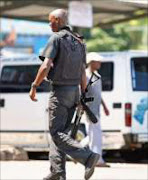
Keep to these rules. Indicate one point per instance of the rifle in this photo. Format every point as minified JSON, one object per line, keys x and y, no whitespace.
{"x":83,"y":107}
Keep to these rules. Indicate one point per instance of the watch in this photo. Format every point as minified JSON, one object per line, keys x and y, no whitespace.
{"x":33,"y":85}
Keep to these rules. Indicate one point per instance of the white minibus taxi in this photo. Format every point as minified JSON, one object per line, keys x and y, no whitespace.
{"x":125,"y":91}
{"x":23,"y":122}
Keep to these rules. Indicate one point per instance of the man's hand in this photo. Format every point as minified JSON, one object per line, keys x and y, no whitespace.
{"x":32,"y":94}
{"x":42,"y":73}
{"x":105,"y":107}
{"x":106,"y":111}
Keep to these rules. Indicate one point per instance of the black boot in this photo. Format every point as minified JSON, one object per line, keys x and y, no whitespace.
{"x":57,"y":176}
{"x":90,"y":165}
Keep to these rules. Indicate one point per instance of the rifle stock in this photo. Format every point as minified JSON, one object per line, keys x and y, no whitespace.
{"x":89,"y":113}
{"x":78,"y":116}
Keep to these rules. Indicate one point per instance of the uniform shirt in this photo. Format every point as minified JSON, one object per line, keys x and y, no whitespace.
{"x":94,"y":91}
{"x":51,"y":48}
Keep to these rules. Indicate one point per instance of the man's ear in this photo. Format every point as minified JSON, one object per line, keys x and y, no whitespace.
{"x":58,"y":19}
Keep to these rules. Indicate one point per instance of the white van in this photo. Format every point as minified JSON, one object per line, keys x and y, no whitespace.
{"x":124,"y":74}
{"x":125,"y":91}
{"x":23,"y":122}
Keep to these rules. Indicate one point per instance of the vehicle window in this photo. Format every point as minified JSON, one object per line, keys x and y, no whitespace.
{"x":19,"y":79}
{"x":139,"y":70}
{"x":106,"y":72}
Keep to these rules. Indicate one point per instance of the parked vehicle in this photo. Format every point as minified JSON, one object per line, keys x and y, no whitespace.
{"x":124,"y":75}
{"x":23,"y":122}
{"x":125,"y":88}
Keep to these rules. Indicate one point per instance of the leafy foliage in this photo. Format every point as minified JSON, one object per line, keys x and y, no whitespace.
{"x":125,"y":36}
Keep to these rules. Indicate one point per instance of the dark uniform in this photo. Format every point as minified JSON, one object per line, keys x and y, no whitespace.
{"x":69,"y":59}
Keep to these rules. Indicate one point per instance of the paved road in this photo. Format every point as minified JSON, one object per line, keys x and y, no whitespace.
{"x":36,"y":170}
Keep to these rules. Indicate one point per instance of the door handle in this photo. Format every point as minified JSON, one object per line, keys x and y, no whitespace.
{"x":47,"y":109}
{"x":2,"y":102}
{"x":117,"y":105}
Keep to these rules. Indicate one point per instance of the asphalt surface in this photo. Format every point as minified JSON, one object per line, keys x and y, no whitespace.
{"x":36,"y":170}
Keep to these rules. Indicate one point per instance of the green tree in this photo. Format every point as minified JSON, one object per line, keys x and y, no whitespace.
{"x":110,"y":40}
{"x":124,"y":36}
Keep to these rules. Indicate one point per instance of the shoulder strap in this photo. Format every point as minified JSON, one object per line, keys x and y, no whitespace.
{"x":74,"y":36}
{"x":97,"y":75}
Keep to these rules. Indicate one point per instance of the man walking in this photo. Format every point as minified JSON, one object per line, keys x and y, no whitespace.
{"x":64,"y":61}
{"x":94,"y":137}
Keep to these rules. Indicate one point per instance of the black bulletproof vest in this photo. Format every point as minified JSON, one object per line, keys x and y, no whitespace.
{"x":67,"y":69}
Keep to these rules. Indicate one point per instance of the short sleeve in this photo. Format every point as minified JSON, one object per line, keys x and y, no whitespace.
{"x":51,"y":48}
{"x":84,"y":56}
